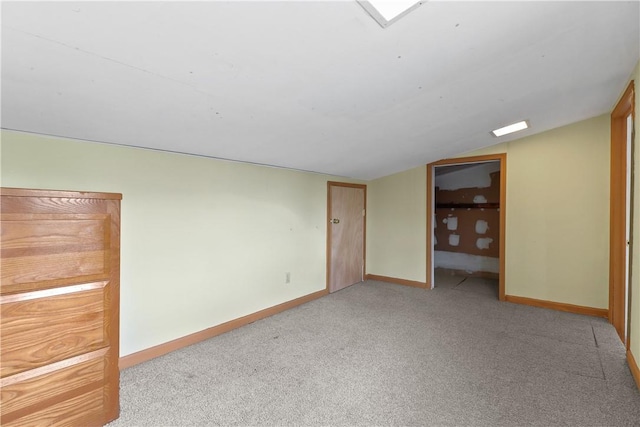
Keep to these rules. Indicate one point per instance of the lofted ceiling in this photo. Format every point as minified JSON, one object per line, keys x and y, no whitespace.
{"x":315,"y":86}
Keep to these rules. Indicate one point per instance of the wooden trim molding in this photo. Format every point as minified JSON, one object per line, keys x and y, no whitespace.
{"x":346,"y":184}
{"x":470,"y":159}
{"x":22,"y":192}
{"x":560,"y":306}
{"x":168,"y":347}
{"x":395,"y":280}
{"x":431,"y":206}
{"x":618,"y":210}
{"x":633,"y":367}
{"x":503,"y":227}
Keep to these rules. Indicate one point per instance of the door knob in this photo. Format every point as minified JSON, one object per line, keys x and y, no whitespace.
{"x":335,"y":221}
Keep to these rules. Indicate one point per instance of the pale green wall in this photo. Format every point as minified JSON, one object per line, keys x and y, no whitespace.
{"x":634,"y":332}
{"x":396,"y":226}
{"x":557,"y":227}
{"x":557,"y":217}
{"x":203,"y":241}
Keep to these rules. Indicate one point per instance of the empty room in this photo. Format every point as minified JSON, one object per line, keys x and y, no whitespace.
{"x":319,"y":213}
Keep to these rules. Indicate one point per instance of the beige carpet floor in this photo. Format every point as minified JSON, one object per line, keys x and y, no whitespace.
{"x":378,"y":354}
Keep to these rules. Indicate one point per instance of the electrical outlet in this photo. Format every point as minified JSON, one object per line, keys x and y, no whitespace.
{"x":287,"y":277}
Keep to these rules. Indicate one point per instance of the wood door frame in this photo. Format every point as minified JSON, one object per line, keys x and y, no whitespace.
{"x":364,"y":227}
{"x":500,"y":157}
{"x":618,"y":210}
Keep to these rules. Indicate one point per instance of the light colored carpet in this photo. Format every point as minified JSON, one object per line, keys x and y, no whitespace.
{"x":378,"y":354}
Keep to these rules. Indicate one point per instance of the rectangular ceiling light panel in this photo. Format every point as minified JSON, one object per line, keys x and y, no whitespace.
{"x":510,"y":129}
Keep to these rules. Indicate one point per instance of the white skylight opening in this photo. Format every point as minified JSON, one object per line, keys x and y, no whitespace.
{"x":510,"y":129}
{"x":389,"y":9}
{"x":386,"y":12}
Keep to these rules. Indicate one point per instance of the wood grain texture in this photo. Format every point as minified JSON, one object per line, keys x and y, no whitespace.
{"x":159,"y":350}
{"x":43,"y":251}
{"x":58,"y":194}
{"x":618,"y":210}
{"x":45,"y":370}
{"x":569,"y":308}
{"x":23,"y":273}
{"x":37,"y":332}
{"x":22,"y":234}
{"x":52,"y":205}
{"x":347,"y":205}
{"x":84,"y":410}
{"x":111,"y":389}
{"x":44,"y":293}
{"x":22,"y":395}
{"x":59,"y":307}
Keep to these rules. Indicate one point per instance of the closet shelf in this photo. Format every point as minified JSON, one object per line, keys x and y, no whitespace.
{"x":467,"y":205}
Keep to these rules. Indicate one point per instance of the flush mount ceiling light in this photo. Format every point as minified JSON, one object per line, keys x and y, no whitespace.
{"x":511,"y":128}
{"x":386,"y":12}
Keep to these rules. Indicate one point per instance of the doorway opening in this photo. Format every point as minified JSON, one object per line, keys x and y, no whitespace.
{"x":465,"y":223}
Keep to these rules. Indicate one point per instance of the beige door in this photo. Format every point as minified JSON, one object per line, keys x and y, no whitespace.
{"x":346,"y":231}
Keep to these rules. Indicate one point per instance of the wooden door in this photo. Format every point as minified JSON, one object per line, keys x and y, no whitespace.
{"x":346,"y":234}
{"x":59,"y":298}
{"x":618,"y":240}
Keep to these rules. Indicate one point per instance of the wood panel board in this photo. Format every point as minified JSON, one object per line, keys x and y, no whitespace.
{"x":82,"y":410}
{"x":28,"y":393}
{"x":51,"y":236}
{"x":41,"y":331}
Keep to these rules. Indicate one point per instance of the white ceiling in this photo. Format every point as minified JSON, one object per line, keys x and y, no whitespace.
{"x":316,"y":86}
